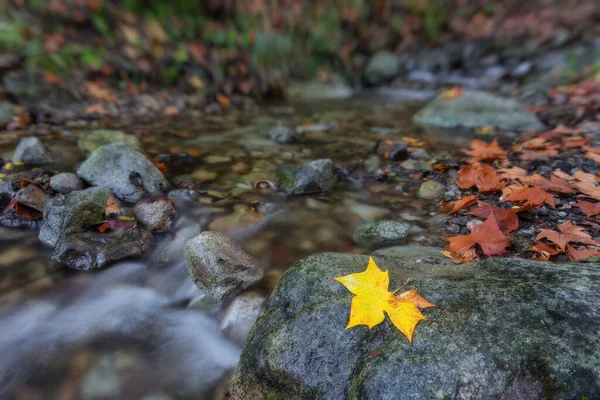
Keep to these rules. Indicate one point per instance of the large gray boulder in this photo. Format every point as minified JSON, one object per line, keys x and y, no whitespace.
{"x":474,"y":109}
{"x":312,"y":177}
{"x":126,"y":172}
{"x":219,"y":267}
{"x":501,"y":328}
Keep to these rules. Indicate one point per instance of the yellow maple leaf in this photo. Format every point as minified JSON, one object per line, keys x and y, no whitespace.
{"x":372,"y":301}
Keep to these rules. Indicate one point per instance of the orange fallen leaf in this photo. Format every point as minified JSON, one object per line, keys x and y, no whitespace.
{"x":554,"y":184}
{"x":482,"y":151}
{"x":529,"y":197}
{"x":589,"y":209}
{"x":487,"y":235}
{"x":582,"y":254}
{"x":567,"y":233}
{"x":372,"y":301}
{"x":223,"y":100}
{"x":512,"y":173}
{"x":458,"y":205}
{"x":481,"y":175}
{"x":588,"y":189}
{"x":452,"y":93}
{"x":112,"y":206}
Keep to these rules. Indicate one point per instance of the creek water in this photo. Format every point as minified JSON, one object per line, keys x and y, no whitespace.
{"x":139,"y":329}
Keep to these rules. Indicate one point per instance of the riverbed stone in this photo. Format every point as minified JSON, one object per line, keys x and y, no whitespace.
{"x":219,"y":267}
{"x":126,"y":172}
{"x":7,"y":111}
{"x":312,"y":177}
{"x":474,"y":109}
{"x":156,"y":216}
{"x":282,"y":134}
{"x":66,"y":182}
{"x":382,"y":67}
{"x":32,"y":196}
{"x":501,"y":328}
{"x":72,"y":214}
{"x":431,"y":190}
{"x":91,"y":250}
{"x":241,"y":314}
{"x":31,"y":150}
{"x":381,"y":233}
{"x":92,"y":140}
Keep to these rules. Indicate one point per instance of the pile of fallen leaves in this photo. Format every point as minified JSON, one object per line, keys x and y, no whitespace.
{"x":547,"y":185}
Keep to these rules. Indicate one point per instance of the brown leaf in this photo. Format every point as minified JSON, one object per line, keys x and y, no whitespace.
{"x":589,"y":209}
{"x":582,"y":254}
{"x":487,"y":235}
{"x":481,"y":175}
{"x":458,"y":205}
{"x":483,"y":151}
{"x":112,"y":206}
{"x":529,"y":197}
{"x":506,"y":218}
{"x":568,"y":233}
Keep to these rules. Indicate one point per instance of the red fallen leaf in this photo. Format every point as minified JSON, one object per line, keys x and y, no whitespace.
{"x":529,"y":197}
{"x":589,"y":209}
{"x":20,"y":209}
{"x":530,"y":155}
{"x":568,"y":233}
{"x":481,"y":175}
{"x":542,"y":247}
{"x":592,"y":153}
{"x":555,"y":184}
{"x":570,"y":143}
{"x":487,"y":235}
{"x":506,"y":218}
{"x":483,"y":151}
{"x":582,"y":254}
{"x":512,"y":173}
{"x":115,"y":223}
{"x":458,"y":205}
{"x":588,"y":189}
{"x":577,"y":176}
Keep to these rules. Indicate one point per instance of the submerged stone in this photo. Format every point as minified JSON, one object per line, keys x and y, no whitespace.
{"x":474,"y":109}
{"x":431,"y":190}
{"x":313,"y":177}
{"x":126,"y":172}
{"x":92,"y":140}
{"x":156,"y":216}
{"x":92,"y":250}
{"x":381,"y":233}
{"x":32,"y":151}
{"x":501,"y":328}
{"x":219,"y":267}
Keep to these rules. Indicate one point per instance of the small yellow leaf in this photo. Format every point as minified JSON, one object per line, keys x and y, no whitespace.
{"x":372,"y":301}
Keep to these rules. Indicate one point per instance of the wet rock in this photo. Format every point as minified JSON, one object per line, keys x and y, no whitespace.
{"x":431,"y":190}
{"x":282,"y":134}
{"x":381,"y":233}
{"x":7,"y":111}
{"x":394,"y":151}
{"x":32,"y":151}
{"x":91,"y":250}
{"x":382,"y":67}
{"x":219,"y":267}
{"x":102,"y":382}
{"x":66,"y":182}
{"x":476,"y":109}
{"x":72,"y":214}
{"x":11,"y":219}
{"x":241,"y":314}
{"x":126,"y":172}
{"x":92,"y":140}
{"x":157,"y":216}
{"x":313,"y":177}
{"x":32,"y":196}
{"x":501,"y":328}
{"x":420,"y":154}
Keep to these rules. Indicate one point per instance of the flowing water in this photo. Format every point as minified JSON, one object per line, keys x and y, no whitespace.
{"x":139,"y":329}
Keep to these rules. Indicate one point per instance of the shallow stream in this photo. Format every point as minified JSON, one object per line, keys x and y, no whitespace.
{"x":140,"y":329}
